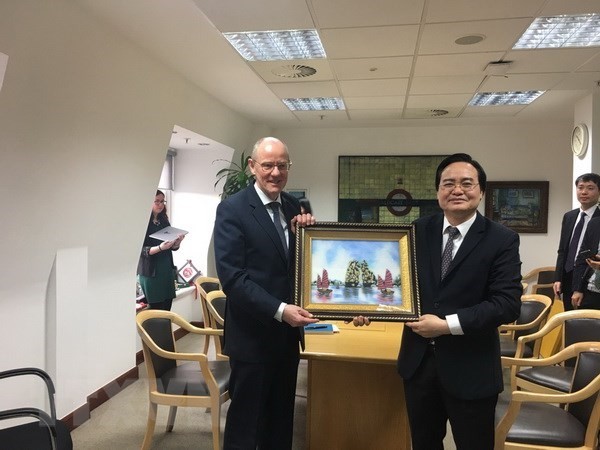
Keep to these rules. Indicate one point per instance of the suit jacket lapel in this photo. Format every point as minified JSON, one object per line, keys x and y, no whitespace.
{"x":470,"y":241}
{"x":435,"y":246}
{"x":261,"y":215}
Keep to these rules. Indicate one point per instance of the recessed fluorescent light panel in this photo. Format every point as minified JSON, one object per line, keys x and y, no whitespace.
{"x":314,"y":104}
{"x":277,"y":45}
{"x":562,"y":31}
{"x":504,"y":98}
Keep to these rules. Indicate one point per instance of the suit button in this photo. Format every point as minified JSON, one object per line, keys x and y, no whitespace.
{"x":436,"y":305}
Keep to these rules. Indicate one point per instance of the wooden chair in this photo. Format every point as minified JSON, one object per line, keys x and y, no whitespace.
{"x":196,"y":382}
{"x":215,"y":303}
{"x":534,"y":312}
{"x":531,"y":420}
{"x":574,"y":326}
{"x":540,"y":277}
{"x":46,"y":431}
{"x":204,"y":286}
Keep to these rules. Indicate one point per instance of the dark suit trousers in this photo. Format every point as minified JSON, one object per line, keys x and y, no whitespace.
{"x":261,"y":412}
{"x":429,"y":408}
{"x":591,"y":300}
{"x":566,"y":287}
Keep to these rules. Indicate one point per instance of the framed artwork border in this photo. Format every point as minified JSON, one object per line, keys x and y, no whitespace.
{"x":352,"y":249}
{"x":515,"y":215}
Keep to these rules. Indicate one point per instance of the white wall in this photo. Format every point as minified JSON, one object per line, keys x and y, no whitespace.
{"x":85,"y":121}
{"x":527,"y":152}
{"x":194,"y":203}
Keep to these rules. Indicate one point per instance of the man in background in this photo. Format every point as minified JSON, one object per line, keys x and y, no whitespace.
{"x":574,"y":225}
{"x":254,"y":242}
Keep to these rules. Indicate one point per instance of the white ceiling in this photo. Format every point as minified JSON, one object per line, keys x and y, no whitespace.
{"x":392,"y":61}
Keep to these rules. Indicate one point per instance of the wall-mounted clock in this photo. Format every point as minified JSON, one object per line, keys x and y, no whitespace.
{"x":579,"y":139}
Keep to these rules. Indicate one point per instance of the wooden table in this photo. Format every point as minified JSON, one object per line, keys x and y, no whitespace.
{"x":355,"y":395}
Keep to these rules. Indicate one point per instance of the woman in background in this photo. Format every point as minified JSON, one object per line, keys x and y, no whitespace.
{"x":156,"y":271}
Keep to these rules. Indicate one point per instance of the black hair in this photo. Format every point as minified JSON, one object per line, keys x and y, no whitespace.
{"x":461,"y":157}
{"x":593,"y":177}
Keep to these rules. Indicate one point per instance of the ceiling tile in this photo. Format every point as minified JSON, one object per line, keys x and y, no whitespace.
{"x":374,"y":88}
{"x":369,"y":42}
{"x":389,"y":102}
{"x":372,"y":68}
{"x":355,"y":13}
{"x":321,"y":116}
{"x":549,"y":60}
{"x":443,"y":101}
{"x":586,"y":80}
{"x":379,"y":114}
{"x":527,"y":82}
{"x":499,"y":35}
{"x":592,"y":65}
{"x":461,"y":10}
{"x":306,"y":89}
{"x":463,"y":64}
{"x":257,"y":16}
{"x":487,"y":111}
{"x":445,"y":85}
{"x":556,"y":7}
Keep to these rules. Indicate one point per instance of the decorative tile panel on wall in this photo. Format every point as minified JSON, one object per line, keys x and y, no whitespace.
{"x":386,"y":189}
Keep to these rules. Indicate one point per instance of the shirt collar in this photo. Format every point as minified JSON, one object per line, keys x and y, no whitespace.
{"x":590,"y":211}
{"x":463,"y":228}
{"x":263,"y":197}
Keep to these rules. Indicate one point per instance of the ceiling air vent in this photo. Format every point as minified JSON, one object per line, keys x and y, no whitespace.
{"x":294,"y":71}
{"x":437,"y":112}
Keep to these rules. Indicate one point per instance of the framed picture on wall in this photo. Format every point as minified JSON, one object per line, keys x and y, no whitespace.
{"x":348,"y":269}
{"x":519,"y":205}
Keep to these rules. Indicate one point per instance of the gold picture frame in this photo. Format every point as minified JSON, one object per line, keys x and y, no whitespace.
{"x":345,"y":270}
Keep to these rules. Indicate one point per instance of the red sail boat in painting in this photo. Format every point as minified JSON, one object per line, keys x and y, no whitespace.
{"x":386,"y":285}
{"x":323,"y":283}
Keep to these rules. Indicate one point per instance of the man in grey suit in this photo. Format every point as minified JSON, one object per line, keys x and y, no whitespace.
{"x":254,"y":240}
{"x":588,"y":192}
{"x":469,"y":274}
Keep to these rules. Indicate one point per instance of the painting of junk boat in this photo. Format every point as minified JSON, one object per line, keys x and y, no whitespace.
{"x":348,"y":269}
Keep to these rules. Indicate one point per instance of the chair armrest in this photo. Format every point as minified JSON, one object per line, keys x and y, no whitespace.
{"x":572,"y":397}
{"x":567,"y":353}
{"x":36,"y":413}
{"x":215,"y":314}
{"x":41,"y":374}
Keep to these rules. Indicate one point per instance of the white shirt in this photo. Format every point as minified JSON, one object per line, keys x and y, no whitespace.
{"x":463,"y":229}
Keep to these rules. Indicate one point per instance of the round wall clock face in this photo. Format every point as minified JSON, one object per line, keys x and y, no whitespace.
{"x":579,"y":139}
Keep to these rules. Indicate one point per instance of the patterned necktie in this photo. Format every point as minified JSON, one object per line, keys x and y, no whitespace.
{"x":447,"y":254}
{"x":570,"y":261}
{"x":277,"y":221}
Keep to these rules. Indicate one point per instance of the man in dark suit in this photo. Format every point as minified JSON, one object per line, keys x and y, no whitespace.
{"x":588,"y":192}
{"x":254,"y":240}
{"x":586,"y":275}
{"x":450,"y":357}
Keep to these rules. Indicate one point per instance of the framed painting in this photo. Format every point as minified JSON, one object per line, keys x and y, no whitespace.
{"x":348,"y":269}
{"x":519,"y":205}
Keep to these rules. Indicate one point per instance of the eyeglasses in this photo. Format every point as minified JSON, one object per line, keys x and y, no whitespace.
{"x":160,"y":202}
{"x":268,"y":167}
{"x":465,"y":186}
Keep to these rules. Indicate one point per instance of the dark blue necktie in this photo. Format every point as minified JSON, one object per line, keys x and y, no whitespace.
{"x":277,"y":221}
{"x":572,"y":254}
